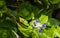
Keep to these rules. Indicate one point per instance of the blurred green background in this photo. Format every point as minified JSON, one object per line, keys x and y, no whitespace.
{"x":17,"y":16}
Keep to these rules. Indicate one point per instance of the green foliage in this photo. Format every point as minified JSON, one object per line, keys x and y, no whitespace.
{"x":55,"y":1}
{"x":20,"y":21}
{"x":53,"y":21}
{"x":43,"y":19}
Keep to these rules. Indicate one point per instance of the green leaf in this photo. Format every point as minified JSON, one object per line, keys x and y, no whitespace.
{"x":58,"y":31}
{"x":43,"y":19}
{"x":23,"y":30}
{"x":53,"y":21}
{"x":1,"y":3}
{"x":25,"y":22}
{"x":54,"y":1}
{"x":1,"y":14}
{"x":4,"y":33}
{"x":35,"y":33}
{"x":25,"y":9}
{"x":50,"y":31}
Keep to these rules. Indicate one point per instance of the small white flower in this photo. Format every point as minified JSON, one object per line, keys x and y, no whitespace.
{"x":37,"y":24}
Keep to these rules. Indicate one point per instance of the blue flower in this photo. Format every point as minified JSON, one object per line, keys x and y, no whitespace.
{"x":43,"y":25}
{"x":37,"y":20}
{"x":40,"y":30}
{"x":38,"y":25}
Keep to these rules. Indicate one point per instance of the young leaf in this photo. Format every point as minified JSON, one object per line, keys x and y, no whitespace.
{"x":43,"y":19}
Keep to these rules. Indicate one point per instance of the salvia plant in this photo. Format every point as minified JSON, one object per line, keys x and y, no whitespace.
{"x":29,"y":19}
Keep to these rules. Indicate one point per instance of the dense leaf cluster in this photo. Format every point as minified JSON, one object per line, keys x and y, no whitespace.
{"x":17,"y":17}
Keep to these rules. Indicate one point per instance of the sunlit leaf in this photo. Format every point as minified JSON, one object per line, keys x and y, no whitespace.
{"x":43,"y":19}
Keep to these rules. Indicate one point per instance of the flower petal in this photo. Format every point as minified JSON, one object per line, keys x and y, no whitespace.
{"x":37,"y":20}
{"x":44,"y":25}
{"x":40,"y":30}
